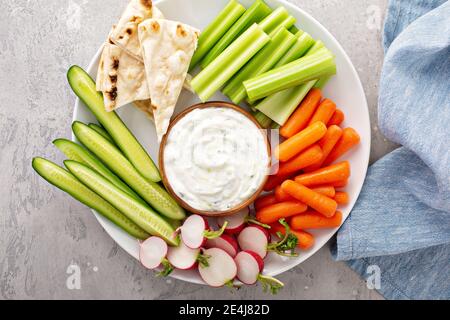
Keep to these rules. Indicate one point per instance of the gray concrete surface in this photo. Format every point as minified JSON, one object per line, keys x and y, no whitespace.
{"x":43,"y":231}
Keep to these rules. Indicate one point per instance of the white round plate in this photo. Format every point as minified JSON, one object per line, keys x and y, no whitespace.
{"x":345,"y":89}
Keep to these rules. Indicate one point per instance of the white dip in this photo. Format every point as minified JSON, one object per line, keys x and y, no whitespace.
{"x":215,"y":158}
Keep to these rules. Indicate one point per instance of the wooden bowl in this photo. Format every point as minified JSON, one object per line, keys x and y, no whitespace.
{"x":217,"y":104}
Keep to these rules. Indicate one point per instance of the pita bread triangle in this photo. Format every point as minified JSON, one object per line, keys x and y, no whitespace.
{"x":120,"y":77}
{"x":167,"y":48}
{"x":125,"y":35}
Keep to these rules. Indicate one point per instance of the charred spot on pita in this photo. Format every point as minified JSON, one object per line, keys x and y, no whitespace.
{"x":147,"y":3}
{"x":129,"y":31}
{"x":155,"y":26}
{"x":115,"y":64}
{"x":180,"y":31}
{"x":113,"y":78}
{"x":112,"y":94}
{"x":136,"y":19}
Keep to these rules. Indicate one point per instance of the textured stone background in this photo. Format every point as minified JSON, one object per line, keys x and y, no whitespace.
{"x":43,"y":231}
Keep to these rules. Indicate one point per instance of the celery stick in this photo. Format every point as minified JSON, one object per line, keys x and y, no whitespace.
{"x":216,"y":29}
{"x":303,"y":43}
{"x":280,"y":105}
{"x":263,"y":120}
{"x":315,"y":66}
{"x":264,"y":60}
{"x":254,"y":14}
{"x":300,"y":47}
{"x":322,"y":82}
{"x":272,"y":21}
{"x":316,"y":47}
{"x":225,"y":66}
{"x":286,"y":23}
{"x":294,"y":30}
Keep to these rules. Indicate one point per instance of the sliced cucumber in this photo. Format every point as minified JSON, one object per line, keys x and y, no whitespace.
{"x":102,"y":131}
{"x":76,"y":152}
{"x":67,"y":182}
{"x":84,"y":87}
{"x":150,"y":191}
{"x":142,"y":215}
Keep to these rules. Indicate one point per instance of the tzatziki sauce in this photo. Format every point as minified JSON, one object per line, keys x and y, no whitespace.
{"x":215,"y":158}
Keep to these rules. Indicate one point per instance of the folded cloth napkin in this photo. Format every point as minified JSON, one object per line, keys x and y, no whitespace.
{"x":401,"y":222}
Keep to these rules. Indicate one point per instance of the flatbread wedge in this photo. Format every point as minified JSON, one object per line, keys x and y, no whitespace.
{"x":121,"y":78}
{"x":102,"y":71}
{"x":125,"y":34}
{"x":167,"y":48}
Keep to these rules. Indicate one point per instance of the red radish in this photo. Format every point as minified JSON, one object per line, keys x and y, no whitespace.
{"x":195,"y":231}
{"x":238,"y":222}
{"x":235,"y":222}
{"x":153,"y":252}
{"x":224,"y":242}
{"x":249,"y":267}
{"x":183,"y":257}
{"x":221,"y":268}
{"x":254,"y":238}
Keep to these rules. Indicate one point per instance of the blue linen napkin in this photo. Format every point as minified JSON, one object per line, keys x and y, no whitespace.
{"x":401,"y":222}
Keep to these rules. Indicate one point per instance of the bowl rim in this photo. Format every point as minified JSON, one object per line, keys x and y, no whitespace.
{"x":165,"y":180}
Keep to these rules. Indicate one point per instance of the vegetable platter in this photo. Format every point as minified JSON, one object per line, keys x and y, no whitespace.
{"x":278,"y":64}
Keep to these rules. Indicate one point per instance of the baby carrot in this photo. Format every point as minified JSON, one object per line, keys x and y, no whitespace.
{"x":327,"y":143}
{"x":314,"y":220}
{"x":337,"y":118}
{"x":265,"y":201}
{"x":340,"y":184}
{"x":324,"y":112}
{"x":302,"y":140}
{"x":349,"y":139}
{"x":328,"y":191}
{"x":305,"y":239}
{"x":282,"y":196}
{"x":278,"y":211}
{"x":335,"y":185}
{"x":341,"y":197}
{"x":305,"y":159}
{"x":327,"y":175}
{"x":317,"y":201}
{"x":300,"y":118}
